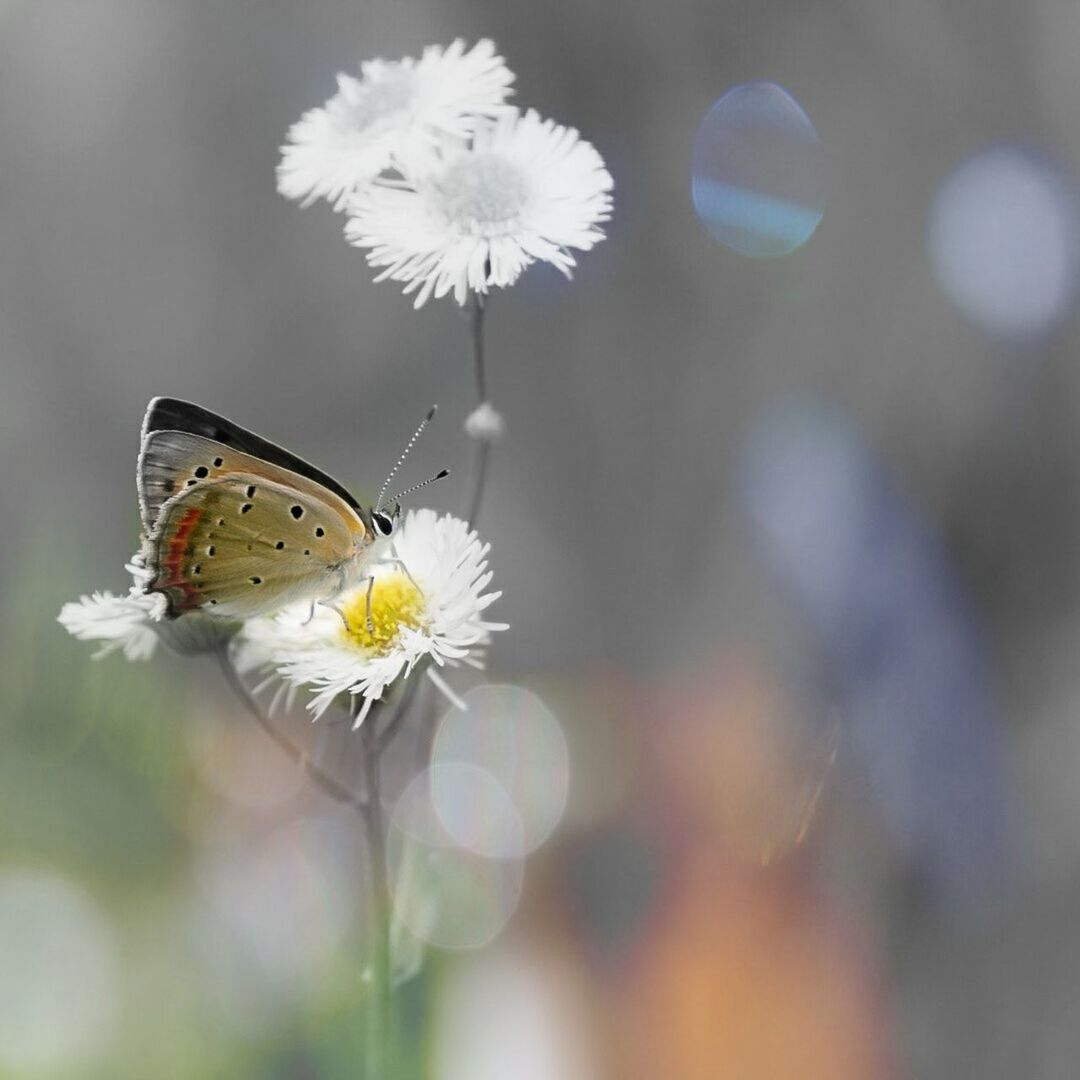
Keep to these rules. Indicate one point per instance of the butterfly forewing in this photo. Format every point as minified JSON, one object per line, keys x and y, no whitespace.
{"x":171,"y":415}
{"x":244,"y":544}
{"x":171,"y":461}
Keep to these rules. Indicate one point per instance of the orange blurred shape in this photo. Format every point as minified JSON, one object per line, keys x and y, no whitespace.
{"x":747,"y":760}
{"x":738,"y":976}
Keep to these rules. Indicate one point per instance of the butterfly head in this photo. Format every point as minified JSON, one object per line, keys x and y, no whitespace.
{"x":384,"y":522}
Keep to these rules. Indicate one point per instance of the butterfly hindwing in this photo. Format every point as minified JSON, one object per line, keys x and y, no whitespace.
{"x":243,"y":544}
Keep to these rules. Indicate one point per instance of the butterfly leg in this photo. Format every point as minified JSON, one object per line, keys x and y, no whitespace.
{"x":405,"y":570}
{"x":370,"y":579}
{"x":340,"y":613}
{"x":370,"y":620}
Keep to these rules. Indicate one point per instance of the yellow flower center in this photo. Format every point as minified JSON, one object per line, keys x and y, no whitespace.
{"x":395,"y":602}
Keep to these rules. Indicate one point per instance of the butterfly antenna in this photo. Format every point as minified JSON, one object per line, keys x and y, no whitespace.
{"x":423,"y":483}
{"x":404,"y":455}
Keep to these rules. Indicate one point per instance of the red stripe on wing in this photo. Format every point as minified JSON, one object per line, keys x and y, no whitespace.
{"x":170,"y":574}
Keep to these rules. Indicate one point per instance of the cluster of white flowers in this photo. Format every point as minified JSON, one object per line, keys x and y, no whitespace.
{"x":450,"y":190}
{"x":427,"y":607}
{"x":447,"y":187}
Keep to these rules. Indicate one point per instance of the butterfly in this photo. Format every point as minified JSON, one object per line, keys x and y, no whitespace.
{"x":236,"y":526}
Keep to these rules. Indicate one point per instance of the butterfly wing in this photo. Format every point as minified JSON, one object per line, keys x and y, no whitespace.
{"x":244,"y":544}
{"x":171,"y":415}
{"x":173,"y":460}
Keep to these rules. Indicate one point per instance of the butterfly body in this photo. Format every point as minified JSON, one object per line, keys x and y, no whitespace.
{"x":237,"y":526}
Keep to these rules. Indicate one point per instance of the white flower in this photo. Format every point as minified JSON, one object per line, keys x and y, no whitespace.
{"x":477,"y":216}
{"x":137,"y":621}
{"x":430,"y":607}
{"x":120,"y":622}
{"x":395,"y":111}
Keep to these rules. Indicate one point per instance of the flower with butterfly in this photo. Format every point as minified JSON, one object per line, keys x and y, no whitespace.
{"x":426,"y":610}
{"x":250,"y":552}
{"x":242,"y":537}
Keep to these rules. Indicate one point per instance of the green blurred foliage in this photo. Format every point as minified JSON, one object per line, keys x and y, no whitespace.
{"x":97,"y":786}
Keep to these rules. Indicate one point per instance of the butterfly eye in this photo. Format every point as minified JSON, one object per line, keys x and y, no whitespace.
{"x":384,"y":524}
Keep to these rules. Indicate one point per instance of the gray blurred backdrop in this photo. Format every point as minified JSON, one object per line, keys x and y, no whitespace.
{"x":144,"y":251}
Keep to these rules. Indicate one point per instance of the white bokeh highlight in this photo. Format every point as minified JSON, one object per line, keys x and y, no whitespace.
{"x":1004,"y":243}
{"x":475,"y":810}
{"x":509,"y":1013}
{"x":443,"y":893}
{"x":272,"y":914}
{"x":60,"y":992}
{"x":509,"y":734}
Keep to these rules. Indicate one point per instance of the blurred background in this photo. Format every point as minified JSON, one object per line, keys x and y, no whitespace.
{"x":785,"y":521}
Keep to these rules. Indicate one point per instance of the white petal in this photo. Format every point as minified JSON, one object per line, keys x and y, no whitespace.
{"x":119,"y":622}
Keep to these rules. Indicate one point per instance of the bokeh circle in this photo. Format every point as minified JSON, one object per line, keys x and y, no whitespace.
{"x":59,"y":974}
{"x":1004,"y":243}
{"x":507,"y":733}
{"x":759,"y":171}
{"x":443,"y":893}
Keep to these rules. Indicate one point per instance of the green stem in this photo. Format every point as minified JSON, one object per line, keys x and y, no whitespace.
{"x":476,"y":310}
{"x":483,"y":453}
{"x":401,"y":710}
{"x":322,"y":780}
{"x":476,"y":333}
{"x":379,"y":1008}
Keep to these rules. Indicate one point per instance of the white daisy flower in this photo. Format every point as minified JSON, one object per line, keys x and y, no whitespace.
{"x":396,"y":110}
{"x":476,"y":216}
{"x":119,"y":622}
{"x":427,"y":604}
{"x":137,"y":621}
